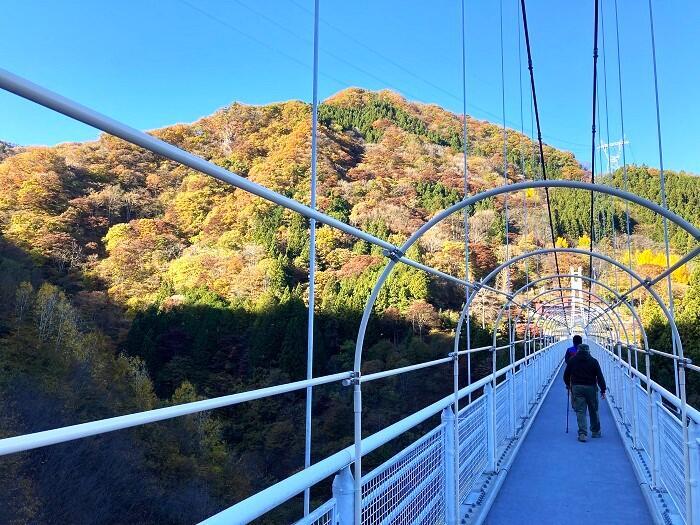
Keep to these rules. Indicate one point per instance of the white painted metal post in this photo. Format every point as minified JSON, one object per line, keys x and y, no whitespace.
{"x":449,"y":458}
{"x":634,"y":380}
{"x":490,"y":395}
{"x":494,"y":409}
{"x":620,"y":375}
{"x":626,"y":381}
{"x":357,"y":482}
{"x":510,"y":378}
{"x":343,"y":491}
{"x":655,"y":438}
{"x":635,"y":386}
{"x":312,"y":264}
{"x":526,"y":395}
{"x":525,"y":401}
{"x":694,"y":453}
{"x":452,"y":428}
{"x":614,"y":370}
{"x":690,"y":517}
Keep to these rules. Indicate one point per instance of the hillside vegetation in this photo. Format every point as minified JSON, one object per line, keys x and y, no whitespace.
{"x":130,"y":282}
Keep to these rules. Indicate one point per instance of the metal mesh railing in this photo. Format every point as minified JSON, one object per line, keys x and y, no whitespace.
{"x":671,"y":458}
{"x":410,"y":487}
{"x":521,"y":401}
{"x":643,"y":423}
{"x":473,"y":445}
{"x":667,"y":447}
{"x":531,"y":384}
{"x":502,"y":412}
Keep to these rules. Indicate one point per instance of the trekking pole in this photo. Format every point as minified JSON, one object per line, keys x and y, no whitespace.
{"x":568,"y":393}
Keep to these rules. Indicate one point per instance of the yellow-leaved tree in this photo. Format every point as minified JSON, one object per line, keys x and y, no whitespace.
{"x":584,"y":242}
{"x":561,"y":242}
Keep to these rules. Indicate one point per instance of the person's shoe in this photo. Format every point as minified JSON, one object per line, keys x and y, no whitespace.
{"x":596,"y":435}
{"x":582,"y":438}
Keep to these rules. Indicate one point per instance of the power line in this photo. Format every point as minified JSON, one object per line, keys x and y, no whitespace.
{"x":325,"y":51}
{"x":335,"y":56}
{"x":252,"y":38}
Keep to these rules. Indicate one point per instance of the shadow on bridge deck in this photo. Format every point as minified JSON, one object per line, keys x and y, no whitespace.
{"x":555,"y":479}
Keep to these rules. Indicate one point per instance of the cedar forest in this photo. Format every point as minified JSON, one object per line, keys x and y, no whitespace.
{"x":130,"y":282}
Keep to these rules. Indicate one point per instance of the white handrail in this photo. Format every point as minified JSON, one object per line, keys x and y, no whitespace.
{"x":665,"y":394}
{"x":101,"y":426}
{"x":273,"y":496}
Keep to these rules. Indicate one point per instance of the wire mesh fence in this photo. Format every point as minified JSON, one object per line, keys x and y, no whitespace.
{"x":643,"y":423}
{"x":409,"y":488}
{"x":502,"y":413}
{"x":521,"y":402}
{"x":667,"y":448}
{"x":671,"y":457}
{"x":473,"y":446}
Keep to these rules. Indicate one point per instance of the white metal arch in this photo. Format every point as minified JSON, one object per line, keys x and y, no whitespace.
{"x":544,"y":251}
{"x":396,"y":255}
{"x":630,"y":307}
{"x":550,"y":290}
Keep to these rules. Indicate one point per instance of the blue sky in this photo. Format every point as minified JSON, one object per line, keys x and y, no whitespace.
{"x":152,"y":63}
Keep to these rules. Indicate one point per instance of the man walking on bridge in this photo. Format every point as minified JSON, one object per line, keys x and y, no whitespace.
{"x":571,"y":351}
{"x":581,"y":376}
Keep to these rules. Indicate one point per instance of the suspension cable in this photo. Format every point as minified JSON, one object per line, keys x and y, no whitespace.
{"x":625,"y":182}
{"x":607,"y":133}
{"x":679,"y":372}
{"x":662,"y":179}
{"x":593,"y":134}
{"x":522,"y":163}
{"x":455,"y":366}
{"x":541,"y":147}
{"x":505,"y":170}
{"x":522,"y":136}
{"x":312,"y":262}
{"x":465,"y":145}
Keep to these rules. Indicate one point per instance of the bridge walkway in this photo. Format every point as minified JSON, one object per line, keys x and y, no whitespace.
{"x":554,"y":479}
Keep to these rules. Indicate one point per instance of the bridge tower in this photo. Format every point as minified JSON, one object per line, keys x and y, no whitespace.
{"x":577,"y":298}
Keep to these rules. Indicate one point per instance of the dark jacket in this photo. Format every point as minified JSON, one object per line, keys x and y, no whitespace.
{"x":570,"y":352}
{"x":584,"y":369}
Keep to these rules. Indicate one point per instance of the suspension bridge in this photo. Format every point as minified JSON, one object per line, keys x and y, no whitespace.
{"x":500,"y":453}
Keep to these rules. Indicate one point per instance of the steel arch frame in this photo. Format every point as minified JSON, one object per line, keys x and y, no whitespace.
{"x":610,"y":260}
{"x":563,"y":289}
{"x":557,"y":316}
{"x":396,"y":255}
{"x":600,"y":324}
{"x":631,"y":308}
{"x":550,"y":301}
{"x":511,"y":350}
{"x":605,"y":325}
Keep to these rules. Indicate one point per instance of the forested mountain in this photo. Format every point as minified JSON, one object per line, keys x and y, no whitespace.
{"x":130,"y":282}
